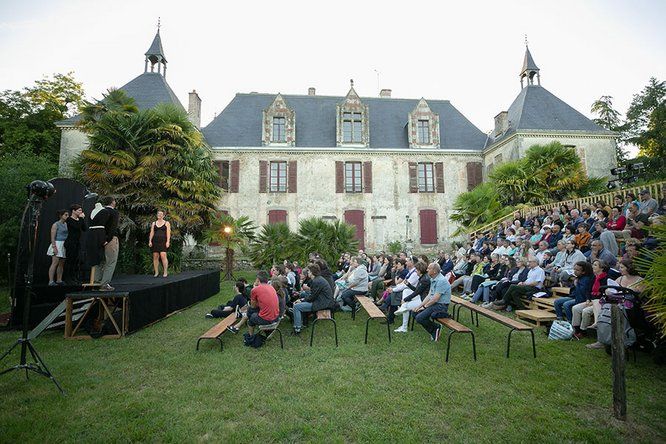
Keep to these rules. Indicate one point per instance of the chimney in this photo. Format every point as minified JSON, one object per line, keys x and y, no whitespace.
{"x":501,"y":123}
{"x":386,"y":93}
{"x":194,"y":109}
{"x":311,"y":91}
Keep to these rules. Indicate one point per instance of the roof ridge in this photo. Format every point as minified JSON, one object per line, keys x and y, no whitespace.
{"x":386,"y":99}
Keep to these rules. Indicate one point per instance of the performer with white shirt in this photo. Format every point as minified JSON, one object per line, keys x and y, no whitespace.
{"x":402,"y":290}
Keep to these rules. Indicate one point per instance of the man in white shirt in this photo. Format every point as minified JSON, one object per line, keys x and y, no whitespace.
{"x":543,"y":247}
{"x":502,"y":249}
{"x":533,"y":284}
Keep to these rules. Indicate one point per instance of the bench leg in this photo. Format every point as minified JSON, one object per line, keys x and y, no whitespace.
{"x":533,"y":344}
{"x":477,"y":318}
{"x":198,"y":344}
{"x":366,"y":329}
{"x":388,"y":329}
{"x":448,"y":345}
{"x":471,"y":313}
{"x":335,"y":330}
{"x":474,"y":343}
{"x":280,"y":333}
{"x":314,"y":324}
{"x":508,"y":342}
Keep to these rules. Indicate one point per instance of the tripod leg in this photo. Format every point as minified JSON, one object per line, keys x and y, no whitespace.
{"x":10,"y":350}
{"x":46,"y":372}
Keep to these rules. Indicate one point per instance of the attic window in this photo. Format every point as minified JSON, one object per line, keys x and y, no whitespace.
{"x":352,"y":127}
{"x":279,"y":129}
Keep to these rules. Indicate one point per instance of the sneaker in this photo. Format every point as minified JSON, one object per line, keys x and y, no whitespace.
{"x":60,"y":283}
{"x":296,"y":332}
{"x":509,"y":308}
{"x":52,"y":284}
{"x":595,"y":345}
{"x":232,"y":329}
{"x":106,"y":287}
{"x":437,"y":333}
{"x":209,"y":315}
{"x":401,"y":329}
{"x":402,"y":309}
{"x":486,"y":305}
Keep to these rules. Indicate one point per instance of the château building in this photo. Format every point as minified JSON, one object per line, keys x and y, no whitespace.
{"x":391,"y":167}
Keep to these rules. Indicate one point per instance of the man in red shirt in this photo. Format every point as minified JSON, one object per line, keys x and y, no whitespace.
{"x":264,"y":305}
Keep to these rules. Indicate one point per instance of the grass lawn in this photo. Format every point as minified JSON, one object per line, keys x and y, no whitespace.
{"x":154,"y":386}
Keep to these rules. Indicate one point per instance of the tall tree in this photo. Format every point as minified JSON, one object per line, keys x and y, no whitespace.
{"x":611,"y":119}
{"x":646,"y":119}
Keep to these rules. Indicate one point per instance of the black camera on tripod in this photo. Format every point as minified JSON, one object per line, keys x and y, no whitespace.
{"x":626,"y":175}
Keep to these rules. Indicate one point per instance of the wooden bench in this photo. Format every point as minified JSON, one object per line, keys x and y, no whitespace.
{"x":456,"y":327}
{"x":272,"y":328}
{"x":218,"y":330}
{"x":493,"y":315}
{"x":544,"y":303}
{"x":536,"y":315}
{"x":560,"y":291}
{"x":373,"y":313}
{"x":324,"y":315}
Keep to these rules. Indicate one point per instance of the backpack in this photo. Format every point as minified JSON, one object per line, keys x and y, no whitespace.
{"x":561,"y":331}
{"x":254,"y":341}
{"x":604,"y":330}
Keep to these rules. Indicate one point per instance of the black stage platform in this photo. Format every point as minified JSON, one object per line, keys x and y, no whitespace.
{"x":149,"y":298}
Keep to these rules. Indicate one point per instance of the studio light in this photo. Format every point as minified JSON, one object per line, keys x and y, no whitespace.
{"x":618,"y":170}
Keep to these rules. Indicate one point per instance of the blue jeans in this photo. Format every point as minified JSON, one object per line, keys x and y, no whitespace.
{"x":566,"y":304}
{"x":424,"y":316}
{"x":299,"y":309}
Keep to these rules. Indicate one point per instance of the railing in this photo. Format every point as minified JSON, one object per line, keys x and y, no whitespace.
{"x":607,"y":198}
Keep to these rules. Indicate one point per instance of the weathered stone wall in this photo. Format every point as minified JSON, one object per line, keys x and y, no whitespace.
{"x":72,"y":142}
{"x":385,"y":208}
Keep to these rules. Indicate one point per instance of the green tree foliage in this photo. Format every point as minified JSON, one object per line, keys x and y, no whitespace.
{"x":478,"y":207}
{"x":546,"y":173}
{"x":275,"y":242}
{"x":151,"y":159}
{"x":652,"y":264}
{"x":646,"y":119}
{"x":27,"y":117}
{"x":240,"y":232}
{"x":611,"y":119}
{"x":18,"y":170}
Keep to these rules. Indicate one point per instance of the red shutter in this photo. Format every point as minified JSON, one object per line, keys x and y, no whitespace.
{"x":263,"y":176}
{"x":367,"y":177}
{"x":439,"y":177}
{"x":413,"y":183}
{"x":357,"y":219}
{"x":277,"y":216}
{"x":474,"y":174}
{"x":292,"y":176}
{"x":218,"y":167}
{"x":234,"y":173}
{"x":339,"y":177}
{"x":428,"y":224}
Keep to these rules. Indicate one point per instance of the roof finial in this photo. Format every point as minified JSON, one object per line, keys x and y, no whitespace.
{"x":351,"y":82}
{"x":158,"y":24}
{"x":526,"y":40}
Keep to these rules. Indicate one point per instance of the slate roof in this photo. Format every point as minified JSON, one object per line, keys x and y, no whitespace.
{"x":528,"y":62}
{"x":537,"y":109}
{"x":148,"y":90}
{"x":239,"y":124}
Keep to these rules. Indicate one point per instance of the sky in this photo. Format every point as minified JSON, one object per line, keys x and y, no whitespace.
{"x":469,"y":52}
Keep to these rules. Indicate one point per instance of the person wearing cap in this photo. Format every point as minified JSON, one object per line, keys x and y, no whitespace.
{"x":647,"y":205}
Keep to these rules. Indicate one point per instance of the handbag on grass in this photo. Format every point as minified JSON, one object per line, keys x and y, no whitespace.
{"x":561,"y":331}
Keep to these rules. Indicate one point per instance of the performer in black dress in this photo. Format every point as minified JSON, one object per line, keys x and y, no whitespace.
{"x":159,"y":242}
{"x":76,"y":224}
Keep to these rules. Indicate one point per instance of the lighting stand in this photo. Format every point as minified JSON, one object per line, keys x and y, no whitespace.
{"x":39,"y":367}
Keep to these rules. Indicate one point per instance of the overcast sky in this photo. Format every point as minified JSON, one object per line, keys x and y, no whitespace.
{"x":469,"y":52}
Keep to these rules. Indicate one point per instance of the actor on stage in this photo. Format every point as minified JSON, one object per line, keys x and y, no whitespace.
{"x":103,"y":237}
{"x":76,"y":224}
{"x":159,"y":242}
{"x":57,"y":248}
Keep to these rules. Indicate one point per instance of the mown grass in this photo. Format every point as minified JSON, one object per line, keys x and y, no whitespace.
{"x":154,"y":386}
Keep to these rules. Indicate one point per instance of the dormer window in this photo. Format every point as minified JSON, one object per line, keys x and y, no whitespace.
{"x":352,"y":126}
{"x":279,"y":124}
{"x":423,"y":127}
{"x":279,"y":130}
{"x":423,"y":132}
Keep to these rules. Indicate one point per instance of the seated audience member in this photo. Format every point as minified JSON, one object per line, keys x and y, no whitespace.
{"x":319,"y":297}
{"x":571,"y":256}
{"x":264,"y":305}
{"x":418,"y":293}
{"x":583,"y":238}
{"x":555,"y":236}
{"x":536,"y":235}
{"x":401,"y":290}
{"x":588,"y":217}
{"x":636,"y":223}
{"x":632,"y":249}
{"x":541,"y":251}
{"x":597,"y":251}
{"x":357,"y":283}
{"x":568,"y":233}
{"x":582,"y":314}
{"x":491,"y":270}
{"x":647,"y":205}
{"x":436,"y":304}
{"x":234,"y":305}
{"x":446,"y":264}
{"x":533,"y":284}
{"x":495,"y":274}
{"x":629,"y":278}
{"x":607,"y":239}
{"x":502,"y":247}
{"x":474,"y":266}
{"x":516,"y":274}
{"x":579,"y":292}
{"x":576,"y":218}
{"x":617,"y":221}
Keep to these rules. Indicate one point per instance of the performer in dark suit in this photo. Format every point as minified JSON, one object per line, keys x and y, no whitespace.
{"x":102,"y":246}
{"x":76,"y":224}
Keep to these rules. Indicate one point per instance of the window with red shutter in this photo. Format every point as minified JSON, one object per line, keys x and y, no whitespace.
{"x":413,"y":180}
{"x":439,"y":177}
{"x":367,"y":177}
{"x":292,"y":177}
{"x":263,"y":176}
{"x":277,"y":216}
{"x":235,"y":176}
{"x":339,"y":177}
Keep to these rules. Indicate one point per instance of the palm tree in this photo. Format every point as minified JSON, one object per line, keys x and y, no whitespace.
{"x":478,"y":207}
{"x":272,"y":245}
{"x":329,"y":239}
